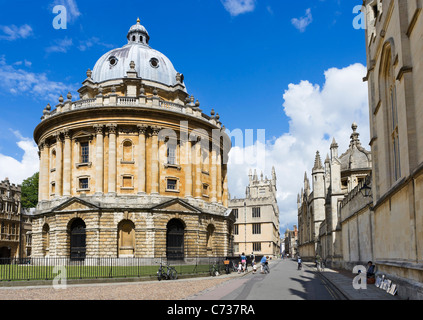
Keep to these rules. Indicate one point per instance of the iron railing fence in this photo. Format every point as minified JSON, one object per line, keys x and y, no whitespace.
{"x":49,"y":268}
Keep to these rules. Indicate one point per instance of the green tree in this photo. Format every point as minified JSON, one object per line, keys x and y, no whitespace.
{"x":29,"y":196}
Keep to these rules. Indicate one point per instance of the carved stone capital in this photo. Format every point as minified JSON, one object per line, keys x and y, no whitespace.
{"x":98,"y":128}
{"x":155,"y":130}
{"x":66,"y":134}
{"x":142,"y":129}
{"x":112,"y":128}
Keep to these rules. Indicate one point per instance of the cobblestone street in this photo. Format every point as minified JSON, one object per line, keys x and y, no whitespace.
{"x":151,"y":290}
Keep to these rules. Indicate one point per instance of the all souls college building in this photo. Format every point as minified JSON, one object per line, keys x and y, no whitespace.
{"x":340,"y":219}
{"x":133,"y":168}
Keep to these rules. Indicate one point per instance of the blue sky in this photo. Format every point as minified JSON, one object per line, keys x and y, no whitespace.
{"x":250,"y":60}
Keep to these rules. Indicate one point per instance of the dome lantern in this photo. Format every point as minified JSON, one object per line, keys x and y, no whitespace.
{"x":138,"y":34}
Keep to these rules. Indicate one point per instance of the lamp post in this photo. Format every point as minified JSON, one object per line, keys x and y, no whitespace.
{"x":366,"y":191}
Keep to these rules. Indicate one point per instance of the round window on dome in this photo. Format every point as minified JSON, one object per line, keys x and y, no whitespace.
{"x":154,"y":62}
{"x":113,"y":61}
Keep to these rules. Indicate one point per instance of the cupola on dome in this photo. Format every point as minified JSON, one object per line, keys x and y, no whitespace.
{"x":150,"y":64}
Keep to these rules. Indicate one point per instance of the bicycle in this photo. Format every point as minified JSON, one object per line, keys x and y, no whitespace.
{"x":214,"y":270}
{"x":266,"y":268}
{"x":170,"y":274}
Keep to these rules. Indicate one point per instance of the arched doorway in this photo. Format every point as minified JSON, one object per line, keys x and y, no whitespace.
{"x":77,"y":240}
{"x":175,"y":240}
{"x":5,"y":253}
{"x":126,"y":239}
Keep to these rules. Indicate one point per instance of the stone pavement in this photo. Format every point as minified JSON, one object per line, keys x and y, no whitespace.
{"x":342,"y":280}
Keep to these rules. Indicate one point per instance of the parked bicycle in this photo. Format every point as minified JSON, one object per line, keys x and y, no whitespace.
{"x":214,"y":270}
{"x":169,"y":274}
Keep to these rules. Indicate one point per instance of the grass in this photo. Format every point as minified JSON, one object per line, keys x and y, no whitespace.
{"x":13,"y":272}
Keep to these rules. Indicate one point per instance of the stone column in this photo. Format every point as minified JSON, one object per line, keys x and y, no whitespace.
{"x":225,"y":185}
{"x":112,"y":157}
{"x":155,"y":160}
{"x":197,"y":154}
{"x":43,"y":186}
{"x":99,"y":159}
{"x":213,"y":172}
{"x":219,"y":178}
{"x":187,"y":168}
{"x":67,"y":165}
{"x":59,"y":165}
{"x":141,"y":159}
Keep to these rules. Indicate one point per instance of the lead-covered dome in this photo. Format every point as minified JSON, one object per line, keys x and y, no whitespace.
{"x":150,"y":64}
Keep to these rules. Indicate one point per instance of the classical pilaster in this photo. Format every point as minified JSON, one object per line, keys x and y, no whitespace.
{"x":112,"y":157}
{"x":188,"y":168}
{"x":213,"y":172}
{"x":197,"y":154}
{"x":219,"y":178}
{"x":59,"y":165}
{"x":141,"y":158}
{"x":99,"y":159}
{"x":67,"y":164}
{"x":155,"y":160}
{"x":43,"y":187}
{"x":225,"y":194}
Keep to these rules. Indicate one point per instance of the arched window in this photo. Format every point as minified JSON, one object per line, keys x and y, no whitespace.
{"x":46,"y":239}
{"x":389,"y":101}
{"x":126,"y":239}
{"x":127,"y":151}
{"x":53,"y":159}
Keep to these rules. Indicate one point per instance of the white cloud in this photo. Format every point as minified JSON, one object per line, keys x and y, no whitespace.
{"x":17,"y":81}
{"x":303,"y":22}
{"x":317,"y":114}
{"x":19,"y":170}
{"x":13,"y":32}
{"x":61,"y":45}
{"x":237,"y":7}
{"x":87,"y":44}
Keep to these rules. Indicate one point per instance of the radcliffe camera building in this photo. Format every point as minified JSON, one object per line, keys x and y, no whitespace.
{"x":133,"y":168}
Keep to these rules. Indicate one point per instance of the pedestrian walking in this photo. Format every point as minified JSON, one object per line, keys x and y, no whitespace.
{"x":243,"y":261}
{"x":263,"y":262}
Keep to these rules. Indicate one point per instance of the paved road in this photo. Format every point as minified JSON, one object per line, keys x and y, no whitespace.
{"x":284,"y":282}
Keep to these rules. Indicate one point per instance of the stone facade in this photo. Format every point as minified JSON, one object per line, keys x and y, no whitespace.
{"x":291,"y":242}
{"x":134,"y":168}
{"x":15,"y":227}
{"x":320,"y":203}
{"x":395,"y":61}
{"x":257,"y":218}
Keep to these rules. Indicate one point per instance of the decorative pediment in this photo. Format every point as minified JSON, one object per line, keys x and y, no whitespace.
{"x":176,"y":205}
{"x":82,"y":135}
{"x":75,"y":204}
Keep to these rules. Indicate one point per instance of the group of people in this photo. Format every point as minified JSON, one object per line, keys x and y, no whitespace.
{"x":242,"y":266}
